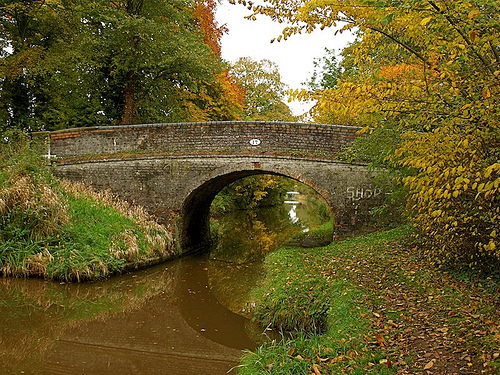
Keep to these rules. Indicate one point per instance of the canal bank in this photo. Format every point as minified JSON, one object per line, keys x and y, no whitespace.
{"x":373,"y":305}
{"x":59,"y":230}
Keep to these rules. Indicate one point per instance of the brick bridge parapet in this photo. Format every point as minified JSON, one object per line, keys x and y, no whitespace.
{"x":204,"y":137}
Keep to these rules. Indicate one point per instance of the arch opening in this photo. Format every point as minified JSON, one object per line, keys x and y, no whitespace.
{"x":194,"y":228}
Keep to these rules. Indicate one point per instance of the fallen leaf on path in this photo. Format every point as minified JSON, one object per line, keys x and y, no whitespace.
{"x":429,"y":365}
{"x":380,"y":339}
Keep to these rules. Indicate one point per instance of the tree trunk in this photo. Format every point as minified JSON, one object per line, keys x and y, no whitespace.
{"x":129,"y":115}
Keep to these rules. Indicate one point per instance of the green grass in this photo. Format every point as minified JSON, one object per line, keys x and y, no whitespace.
{"x":321,"y":308}
{"x":96,"y":241}
{"x":321,"y":235}
{"x":372,"y":305}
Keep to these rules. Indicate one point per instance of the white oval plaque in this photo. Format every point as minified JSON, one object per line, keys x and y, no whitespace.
{"x":255,"y":142}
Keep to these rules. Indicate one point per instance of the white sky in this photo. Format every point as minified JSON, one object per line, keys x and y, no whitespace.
{"x":294,"y":56}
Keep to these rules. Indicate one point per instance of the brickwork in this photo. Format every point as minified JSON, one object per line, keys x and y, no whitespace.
{"x":228,"y":137}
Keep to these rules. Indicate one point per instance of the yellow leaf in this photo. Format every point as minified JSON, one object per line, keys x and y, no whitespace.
{"x":429,"y":365}
{"x":473,"y":35}
{"x":493,"y":233}
{"x":425,"y":21}
{"x":473,"y":14}
{"x":436,"y":213}
{"x":486,"y":93}
{"x":364,"y":130}
{"x":491,"y":168}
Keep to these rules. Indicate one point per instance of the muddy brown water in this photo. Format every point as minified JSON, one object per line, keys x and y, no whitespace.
{"x":187,"y":316}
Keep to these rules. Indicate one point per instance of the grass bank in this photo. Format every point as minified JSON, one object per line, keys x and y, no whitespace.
{"x":371,"y":305}
{"x":60,"y":230}
{"x":316,"y":237}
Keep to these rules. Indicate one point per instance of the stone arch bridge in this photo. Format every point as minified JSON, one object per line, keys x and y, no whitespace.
{"x":175,"y":170}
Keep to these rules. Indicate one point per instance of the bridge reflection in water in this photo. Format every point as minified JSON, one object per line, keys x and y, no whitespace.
{"x":131,"y":324}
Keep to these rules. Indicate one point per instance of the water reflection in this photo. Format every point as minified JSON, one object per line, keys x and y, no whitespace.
{"x":245,"y":238}
{"x":203,"y":311}
{"x":136,"y":323}
{"x":293,"y":214}
{"x":181,"y":317}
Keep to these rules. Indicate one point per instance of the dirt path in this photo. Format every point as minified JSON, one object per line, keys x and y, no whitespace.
{"x":425,"y":320}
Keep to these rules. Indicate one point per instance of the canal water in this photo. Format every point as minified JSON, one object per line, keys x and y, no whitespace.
{"x":181,"y":317}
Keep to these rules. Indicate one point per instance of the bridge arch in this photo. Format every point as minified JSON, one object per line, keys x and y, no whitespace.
{"x":195,"y":213}
{"x":349,"y":191}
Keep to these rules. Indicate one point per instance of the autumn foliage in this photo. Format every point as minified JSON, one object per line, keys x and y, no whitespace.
{"x":224,"y":97}
{"x":431,"y":70}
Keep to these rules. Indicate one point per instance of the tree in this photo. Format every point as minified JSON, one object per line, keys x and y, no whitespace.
{"x":150,"y":60}
{"x":224,"y":97}
{"x":28,"y":29}
{"x":327,"y":71}
{"x":80,"y":63}
{"x":431,"y":69}
{"x":263,"y":88}
{"x":326,"y":75}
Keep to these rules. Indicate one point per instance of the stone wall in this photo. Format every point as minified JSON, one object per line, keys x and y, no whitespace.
{"x":178,"y":190}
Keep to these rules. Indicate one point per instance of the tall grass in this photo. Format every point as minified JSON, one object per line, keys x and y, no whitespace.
{"x":66,"y":231}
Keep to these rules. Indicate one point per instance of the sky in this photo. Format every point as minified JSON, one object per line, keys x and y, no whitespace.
{"x":294,"y":57}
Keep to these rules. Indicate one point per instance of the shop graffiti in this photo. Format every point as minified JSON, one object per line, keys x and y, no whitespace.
{"x":357,"y":193}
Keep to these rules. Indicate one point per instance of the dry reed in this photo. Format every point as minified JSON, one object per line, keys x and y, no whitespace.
{"x":39,"y":199}
{"x":39,"y":206}
{"x":134,"y":212}
{"x":159,"y":240}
